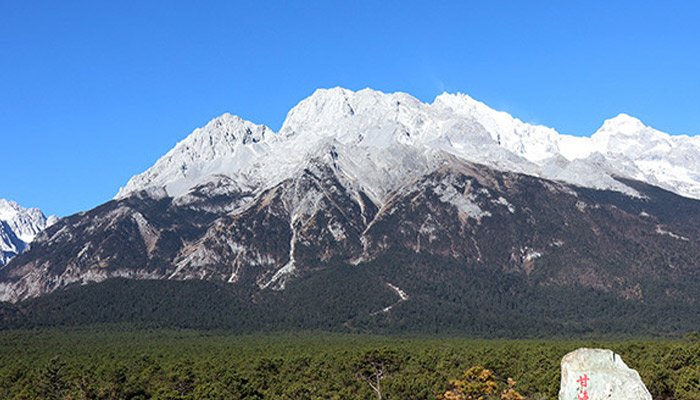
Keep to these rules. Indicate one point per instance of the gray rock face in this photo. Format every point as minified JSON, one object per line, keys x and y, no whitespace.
{"x":597,"y":374}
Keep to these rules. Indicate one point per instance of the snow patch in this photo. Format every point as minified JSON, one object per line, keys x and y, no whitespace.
{"x":279,"y":279}
{"x":503,"y":202}
{"x":336,"y":229}
{"x":581,"y":206}
{"x":661,"y":231}
{"x":532,"y":255}
{"x":402,"y":297}
{"x":465,"y":203}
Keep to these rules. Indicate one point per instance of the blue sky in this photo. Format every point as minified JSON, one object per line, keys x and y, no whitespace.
{"x":94,"y":92}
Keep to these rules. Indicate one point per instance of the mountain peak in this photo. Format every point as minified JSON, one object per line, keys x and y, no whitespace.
{"x":226,"y":139}
{"x":351,"y":116}
{"x":232,"y":127}
{"x":454,"y":98}
{"x":18,"y":226}
{"x":622,"y":124}
{"x":8,"y":208}
{"x":322,"y":108}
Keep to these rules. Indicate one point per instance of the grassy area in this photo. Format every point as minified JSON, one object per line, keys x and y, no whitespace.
{"x":119,"y":362}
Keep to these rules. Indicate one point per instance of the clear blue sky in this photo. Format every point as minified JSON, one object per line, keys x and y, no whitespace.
{"x":94,"y":92}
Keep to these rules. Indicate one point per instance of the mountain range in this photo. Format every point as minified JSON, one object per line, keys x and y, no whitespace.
{"x":366,"y":125}
{"x":376,"y":211}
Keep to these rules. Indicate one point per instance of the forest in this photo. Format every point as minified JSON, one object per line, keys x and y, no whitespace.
{"x":445,"y":299}
{"x":464,"y":333}
{"x":120,"y":361}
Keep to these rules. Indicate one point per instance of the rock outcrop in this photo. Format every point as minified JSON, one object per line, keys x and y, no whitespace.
{"x":597,"y":374}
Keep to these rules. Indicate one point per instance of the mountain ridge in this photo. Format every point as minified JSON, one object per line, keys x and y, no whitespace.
{"x":458,"y":124}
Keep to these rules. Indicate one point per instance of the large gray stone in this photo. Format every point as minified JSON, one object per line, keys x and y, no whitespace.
{"x":599,"y":374}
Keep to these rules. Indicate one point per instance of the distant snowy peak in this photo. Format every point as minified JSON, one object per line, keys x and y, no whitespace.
{"x":623,"y":124}
{"x":379,"y":140}
{"x":18,"y":227}
{"x":330,"y":104}
{"x":626,"y":135}
{"x":26,"y":223}
{"x":225,"y":143}
{"x":533,"y":142}
{"x":366,"y":117}
{"x":632,"y":149}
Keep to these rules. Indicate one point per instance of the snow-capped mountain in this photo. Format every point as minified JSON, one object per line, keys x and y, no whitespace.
{"x":18,"y":227}
{"x":226,"y":144}
{"x":381,"y":140}
{"x":356,"y":177}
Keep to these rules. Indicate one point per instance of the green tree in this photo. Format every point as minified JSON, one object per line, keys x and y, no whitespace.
{"x":52,"y":383}
{"x":376,"y":365}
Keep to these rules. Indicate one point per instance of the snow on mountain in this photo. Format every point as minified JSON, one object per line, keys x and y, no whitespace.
{"x":533,"y":142}
{"x":378,"y":141}
{"x":638,"y":151}
{"x":18,"y":227}
{"x":226,"y":144}
{"x":354,"y":175}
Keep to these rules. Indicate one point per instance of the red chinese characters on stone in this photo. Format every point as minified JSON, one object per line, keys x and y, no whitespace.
{"x":583,"y":380}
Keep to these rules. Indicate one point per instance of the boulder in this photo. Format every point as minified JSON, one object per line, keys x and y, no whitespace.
{"x":599,"y":374}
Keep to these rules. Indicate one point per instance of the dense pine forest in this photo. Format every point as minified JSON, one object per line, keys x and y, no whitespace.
{"x":451,"y":299}
{"x":328,"y":339}
{"x":120,"y":362}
